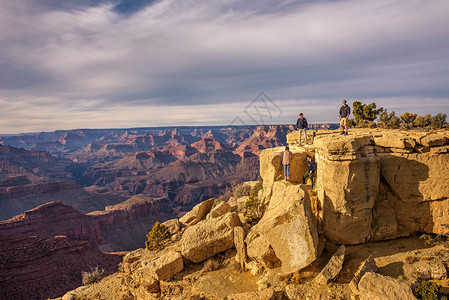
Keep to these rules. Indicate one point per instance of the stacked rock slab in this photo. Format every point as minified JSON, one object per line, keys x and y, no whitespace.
{"x":209,"y":237}
{"x":287,"y":234}
{"x":380,"y":184}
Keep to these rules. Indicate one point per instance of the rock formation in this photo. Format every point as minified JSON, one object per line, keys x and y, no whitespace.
{"x":375,"y":185}
{"x":37,"y":268}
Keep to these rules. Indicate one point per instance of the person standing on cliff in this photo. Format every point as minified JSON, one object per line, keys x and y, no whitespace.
{"x":345,"y":111}
{"x":286,"y":161}
{"x":310,"y":170}
{"x":301,"y":125}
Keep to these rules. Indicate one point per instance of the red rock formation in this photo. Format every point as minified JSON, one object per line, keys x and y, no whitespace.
{"x":17,"y":199}
{"x":51,"y":219}
{"x":124,"y":226}
{"x":37,"y":268}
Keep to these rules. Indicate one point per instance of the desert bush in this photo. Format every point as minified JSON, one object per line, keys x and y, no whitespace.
{"x":438,"y":121}
{"x":428,"y":290}
{"x":254,"y":208}
{"x":365,"y":112}
{"x":408,"y":118}
{"x":388,"y":120}
{"x":156,"y":237}
{"x":92,"y":276}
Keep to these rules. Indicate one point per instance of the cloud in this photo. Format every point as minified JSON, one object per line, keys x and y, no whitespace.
{"x":94,"y":60}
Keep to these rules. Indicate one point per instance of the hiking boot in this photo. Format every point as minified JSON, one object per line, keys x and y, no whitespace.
{"x":346,"y":133}
{"x":342,"y":132}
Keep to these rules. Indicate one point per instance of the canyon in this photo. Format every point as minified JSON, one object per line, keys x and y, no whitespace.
{"x":375,"y":227}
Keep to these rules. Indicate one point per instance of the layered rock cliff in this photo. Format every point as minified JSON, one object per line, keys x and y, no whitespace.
{"x":380,"y":184}
{"x":38,"y":268}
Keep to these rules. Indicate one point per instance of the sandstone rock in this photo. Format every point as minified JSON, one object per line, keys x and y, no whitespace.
{"x":271,"y":168}
{"x":166,"y":265}
{"x":374,"y":286}
{"x":394,"y":140}
{"x":369,"y":265}
{"x":219,"y":210}
{"x":173,"y":226}
{"x":197,"y":213}
{"x":293,"y":292}
{"x":151,"y":285}
{"x":368,"y":190}
{"x":254,"y":268}
{"x":267,"y":294}
{"x":433,"y":140}
{"x":207,"y":238}
{"x":241,"y":203}
{"x":426,"y":270}
{"x":260,"y":250}
{"x":288,"y":227}
{"x":233,"y":204}
{"x":239,"y":242}
{"x":333,"y":267}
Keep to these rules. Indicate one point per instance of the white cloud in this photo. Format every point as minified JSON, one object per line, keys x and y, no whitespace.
{"x":92,"y":64}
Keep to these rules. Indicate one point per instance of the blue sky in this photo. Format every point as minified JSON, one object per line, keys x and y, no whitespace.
{"x":98,"y":64}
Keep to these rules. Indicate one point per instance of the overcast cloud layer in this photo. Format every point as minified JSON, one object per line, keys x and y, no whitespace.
{"x":101,"y":64}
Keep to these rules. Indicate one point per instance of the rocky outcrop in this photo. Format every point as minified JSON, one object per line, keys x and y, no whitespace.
{"x":52,"y":219}
{"x":378,"y":184}
{"x":374,"y":286}
{"x":36,"y":268}
{"x":123,"y":226}
{"x":287,"y":231}
{"x":209,"y":237}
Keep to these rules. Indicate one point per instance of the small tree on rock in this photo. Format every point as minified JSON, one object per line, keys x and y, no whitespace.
{"x":408,"y":118}
{"x":157,"y":236}
{"x":365,"y":112}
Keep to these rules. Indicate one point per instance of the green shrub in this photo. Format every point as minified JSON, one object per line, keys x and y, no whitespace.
{"x":156,"y":237}
{"x":438,"y":121}
{"x":388,"y":120}
{"x":365,"y":114}
{"x":253,"y":207}
{"x":428,"y":290}
{"x":93,"y":276}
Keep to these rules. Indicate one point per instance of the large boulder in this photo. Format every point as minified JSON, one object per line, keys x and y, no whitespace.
{"x":173,"y":226}
{"x":374,"y":286}
{"x":198,"y":212}
{"x":271,"y":168}
{"x":377,"y":185}
{"x":287,"y":231}
{"x":165,"y":265}
{"x":209,"y":237}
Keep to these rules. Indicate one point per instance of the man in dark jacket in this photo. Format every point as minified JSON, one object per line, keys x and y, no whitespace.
{"x":301,"y":125}
{"x":311,"y":168}
{"x":345,"y":111}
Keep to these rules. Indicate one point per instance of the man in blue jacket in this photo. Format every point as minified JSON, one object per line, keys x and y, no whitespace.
{"x":310,"y":170}
{"x":301,"y":125}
